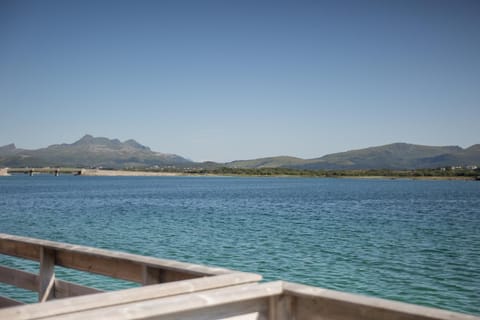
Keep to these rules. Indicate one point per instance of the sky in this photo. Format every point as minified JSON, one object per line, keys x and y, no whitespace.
{"x":227,"y":80}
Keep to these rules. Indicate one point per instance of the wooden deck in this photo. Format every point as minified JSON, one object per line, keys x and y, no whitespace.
{"x":176,"y":290}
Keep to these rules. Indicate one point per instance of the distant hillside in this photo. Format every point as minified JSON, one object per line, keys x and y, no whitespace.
{"x":272,"y":162}
{"x":112,"y":153}
{"x":392,"y":156}
{"x":89,"y":152}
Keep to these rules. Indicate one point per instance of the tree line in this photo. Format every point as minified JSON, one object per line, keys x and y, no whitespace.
{"x":437,"y":172}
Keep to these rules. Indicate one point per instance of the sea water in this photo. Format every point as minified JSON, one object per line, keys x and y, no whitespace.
{"x":412,"y":241}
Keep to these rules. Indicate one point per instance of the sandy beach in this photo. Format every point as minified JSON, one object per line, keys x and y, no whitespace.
{"x":124,"y":173}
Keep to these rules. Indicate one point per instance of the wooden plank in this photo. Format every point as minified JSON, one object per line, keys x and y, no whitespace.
{"x":154,"y":262}
{"x":272,"y":308}
{"x":100,"y":264}
{"x":318,"y":303}
{"x":256,"y":309}
{"x":152,"y":275}
{"x":249,"y":316}
{"x":133,"y":295}
{"x":174,"y":275}
{"x":6,"y":302}
{"x":19,"y":249}
{"x":284,"y":307}
{"x":115,"y":264}
{"x":211,"y":304}
{"x":19,"y":278}
{"x":46,"y":281}
{"x":29,"y":281}
{"x":65,"y":289}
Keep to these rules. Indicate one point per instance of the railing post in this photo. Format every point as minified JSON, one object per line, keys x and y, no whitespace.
{"x":46,"y":283}
{"x":151,"y":275}
{"x":281,"y":308}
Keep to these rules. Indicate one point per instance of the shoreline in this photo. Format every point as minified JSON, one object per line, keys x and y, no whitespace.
{"x":430,"y":178}
{"x":127,"y":173}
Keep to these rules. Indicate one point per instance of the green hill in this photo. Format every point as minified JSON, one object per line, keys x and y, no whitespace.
{"x":272,"y":162}
{"x":394,"y":156}
{"x":98,"y":152}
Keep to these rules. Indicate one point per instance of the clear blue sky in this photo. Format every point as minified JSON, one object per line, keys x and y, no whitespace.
{"x":226,"y":80}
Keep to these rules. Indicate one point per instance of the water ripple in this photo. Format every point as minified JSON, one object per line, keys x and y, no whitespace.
{"x":414,"y":241}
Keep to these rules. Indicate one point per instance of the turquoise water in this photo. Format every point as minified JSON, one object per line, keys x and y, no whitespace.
{"x":413,"y":241}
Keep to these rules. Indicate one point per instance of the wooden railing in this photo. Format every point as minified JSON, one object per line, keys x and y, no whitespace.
{"x":267,"y":301}
{"x":193,"y":292}
{"x":120,"y":265}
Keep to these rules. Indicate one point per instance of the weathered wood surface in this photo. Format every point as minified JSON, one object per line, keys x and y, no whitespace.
{"x":7,"y":302}
{"x":29,"y":281}
{"x":243,"y":300}
{"x":65,"y":289}
{"x":121,"y":297}
{"x":19,"y":278}
{"x":318,"y":304}
{"x":274,"y":300}
{"x":120,"y":265}
{"x":46,"y":283}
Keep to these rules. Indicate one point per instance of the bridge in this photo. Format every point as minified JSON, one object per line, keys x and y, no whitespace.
{"x":46,"y":170}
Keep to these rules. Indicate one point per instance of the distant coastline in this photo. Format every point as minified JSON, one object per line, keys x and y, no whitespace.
{"x":126,"y":173}
{"x":100,"y":152}
{"x":129,"y":173}
{"x":265,"y":172}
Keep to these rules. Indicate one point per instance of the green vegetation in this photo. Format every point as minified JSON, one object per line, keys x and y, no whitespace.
{"x":393,"y":157}
{"x":426,"y":173}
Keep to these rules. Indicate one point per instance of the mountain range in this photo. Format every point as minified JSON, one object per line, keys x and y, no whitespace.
{"x":90,"y":152}
{"x":97,"y":152}
{"x":394,"y":156}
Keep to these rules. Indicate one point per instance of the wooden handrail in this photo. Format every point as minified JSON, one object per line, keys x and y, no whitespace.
{"x":304,"y":301}
{"x":273,"y":301}
{"x":121,"y":265}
